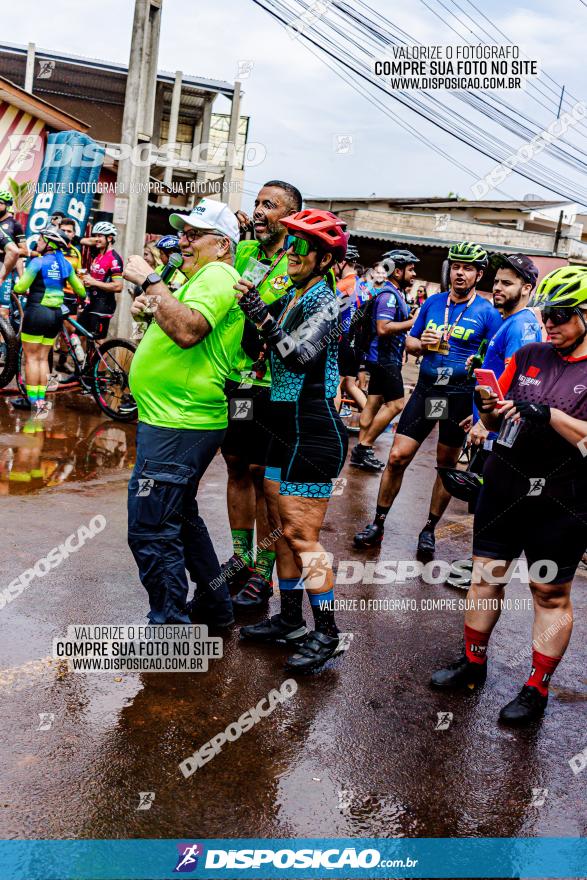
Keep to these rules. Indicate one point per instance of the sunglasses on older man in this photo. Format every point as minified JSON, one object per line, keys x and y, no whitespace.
{"x":558,"y":315}
{"x":300,"y":246}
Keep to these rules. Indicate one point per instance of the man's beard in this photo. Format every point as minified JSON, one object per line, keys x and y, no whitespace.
{"x":511,"y":304}
{"x":272,"y":235}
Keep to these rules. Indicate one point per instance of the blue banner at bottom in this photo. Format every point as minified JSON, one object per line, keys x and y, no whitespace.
{"x":309,"y":858}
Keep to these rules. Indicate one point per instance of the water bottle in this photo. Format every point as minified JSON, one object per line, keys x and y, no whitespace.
{"x":477,"y":359}
{"x":77,"y":347}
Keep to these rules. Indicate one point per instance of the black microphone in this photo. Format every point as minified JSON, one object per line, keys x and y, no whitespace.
{"x":174,"y":262}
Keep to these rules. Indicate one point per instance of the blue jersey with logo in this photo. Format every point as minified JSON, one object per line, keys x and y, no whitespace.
{"x":479,"y":320}
{"x":350,"y":302}
{"x":390,"y":305}
{"x":515,"y":331}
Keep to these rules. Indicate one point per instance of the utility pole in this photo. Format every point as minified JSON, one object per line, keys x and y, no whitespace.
{"x":130,"y":210}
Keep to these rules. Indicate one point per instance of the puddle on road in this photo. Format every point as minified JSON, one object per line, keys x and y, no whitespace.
{"x":74,"y":443}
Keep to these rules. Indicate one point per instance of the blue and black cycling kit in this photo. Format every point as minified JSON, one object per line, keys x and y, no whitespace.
{"x":309,"y":441}
{"x":517,"y":330}
{"x":444,"y":392}
{"x":390,"y":305}
{"x":469,"y":323}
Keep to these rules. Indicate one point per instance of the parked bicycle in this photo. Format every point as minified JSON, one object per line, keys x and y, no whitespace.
{"x":102,"y":370}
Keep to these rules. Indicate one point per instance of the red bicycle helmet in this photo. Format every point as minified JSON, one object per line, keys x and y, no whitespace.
{"x":323,"y":226}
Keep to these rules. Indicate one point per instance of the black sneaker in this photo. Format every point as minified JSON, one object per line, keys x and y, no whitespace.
{"x":426,"y":545}
{"x":275,"y":629}
{"x":235,"y":573}
{"x":256,"y":592}
{"x":371,"y":536}
{"x":311,"y":655}
{"x":363,"y":457}
{"x":217,"y":616}
{"x":528,"y":706}
{"x":459,"y":675}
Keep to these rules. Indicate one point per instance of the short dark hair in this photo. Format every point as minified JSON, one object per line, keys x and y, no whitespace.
{"x":58,"y":214}
{"x":293,"y":193}
{"x":69,"y":221}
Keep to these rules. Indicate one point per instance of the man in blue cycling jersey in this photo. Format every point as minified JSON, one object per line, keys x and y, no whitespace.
{"x":515,"y":280}
{"x":449,"y":328}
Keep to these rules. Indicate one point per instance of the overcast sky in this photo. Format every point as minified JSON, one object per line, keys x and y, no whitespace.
{"x":299,"y":108}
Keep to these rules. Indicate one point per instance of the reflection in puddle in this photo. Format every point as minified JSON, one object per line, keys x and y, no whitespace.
{"x":70,"y":445}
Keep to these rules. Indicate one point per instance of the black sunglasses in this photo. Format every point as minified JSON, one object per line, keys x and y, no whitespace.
{"x":558,"y":316}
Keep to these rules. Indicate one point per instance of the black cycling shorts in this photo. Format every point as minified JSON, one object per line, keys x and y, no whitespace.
{"x":436,"y":404}
{"x":551,"y":527}
{"x":308,"y":447}
{"x":41,"y":324}
{"x":95,"y":323}
{"x":247,"y":438}
{"x":348,"y":361}
{"x":385,"y":381}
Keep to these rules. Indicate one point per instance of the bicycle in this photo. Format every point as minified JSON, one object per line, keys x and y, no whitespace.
{"x":10,"y":342}
{"x":103,"y":371}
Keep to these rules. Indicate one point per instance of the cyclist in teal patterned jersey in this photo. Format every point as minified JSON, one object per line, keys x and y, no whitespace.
{"x":309,"y":442}
{"x":43,"y":282}
{"x":249,"y":570}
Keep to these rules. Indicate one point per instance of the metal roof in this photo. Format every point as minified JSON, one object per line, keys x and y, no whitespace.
{"x":445,"y":243}
{"x":441,"y":202}
{"x":96,"y":64}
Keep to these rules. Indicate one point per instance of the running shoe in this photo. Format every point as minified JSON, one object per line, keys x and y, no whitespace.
{"x":462,"y":674}
{"x":426,"y":545}
{"x":199,"y":610}
{"x":52,"y":383}
{"x":41,"y":410}
{"x":528,"y":706}
{"x":311,"y":655}
{"x":371,"y":536}
{"x":256,"y":592}
{"x":275,"y":629}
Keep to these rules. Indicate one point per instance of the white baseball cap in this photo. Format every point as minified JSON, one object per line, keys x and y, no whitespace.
{"x":209,"y":214}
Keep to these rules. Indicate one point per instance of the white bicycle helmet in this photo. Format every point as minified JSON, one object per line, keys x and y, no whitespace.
{"x":104,"y":228}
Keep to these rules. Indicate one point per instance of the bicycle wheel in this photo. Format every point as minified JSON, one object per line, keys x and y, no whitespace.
{"x":110,"y":386}
{"x":8,"y":353}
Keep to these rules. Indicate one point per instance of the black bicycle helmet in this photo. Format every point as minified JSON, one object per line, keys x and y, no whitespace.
{"x":401,"y":257}
{"x":463,"y":485}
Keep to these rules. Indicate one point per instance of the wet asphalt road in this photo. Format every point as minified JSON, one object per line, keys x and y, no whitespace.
{"x":354,"y":753}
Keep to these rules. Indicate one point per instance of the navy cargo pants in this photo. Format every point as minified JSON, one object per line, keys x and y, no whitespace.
{"x":165,"y":531}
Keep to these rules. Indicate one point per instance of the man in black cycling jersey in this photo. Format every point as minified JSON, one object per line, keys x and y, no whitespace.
{"x":15,"y":233}
{"x":249,"y":571}
{"x":449,"y":328}
{"x":308,"y":439}
{"x":390,"y":320}
{"x":10,"y":252}
{"x":534,"y":494}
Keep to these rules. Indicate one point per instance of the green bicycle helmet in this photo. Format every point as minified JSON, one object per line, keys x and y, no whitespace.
{"x":565,"y":287}
{"x":468,"y":252}
{"x":6,"y":197}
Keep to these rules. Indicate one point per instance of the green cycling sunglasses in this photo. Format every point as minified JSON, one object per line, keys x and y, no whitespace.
{"x":300,"y":246}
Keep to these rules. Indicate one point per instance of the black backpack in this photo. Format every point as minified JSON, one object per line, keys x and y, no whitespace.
{"x":361,"y":327}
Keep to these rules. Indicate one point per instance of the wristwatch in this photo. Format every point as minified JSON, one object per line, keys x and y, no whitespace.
{"x":152,"y":278}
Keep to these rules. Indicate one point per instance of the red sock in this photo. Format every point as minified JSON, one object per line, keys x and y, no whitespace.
{"x":541,"y":672}
{"x":476,"y":645}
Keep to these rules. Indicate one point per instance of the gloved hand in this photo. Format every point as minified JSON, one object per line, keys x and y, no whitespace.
{"x":538,"y":413}
{"x":253,"y":306}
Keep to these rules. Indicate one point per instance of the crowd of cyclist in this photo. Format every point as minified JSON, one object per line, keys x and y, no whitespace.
{"x":303,"y":329}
